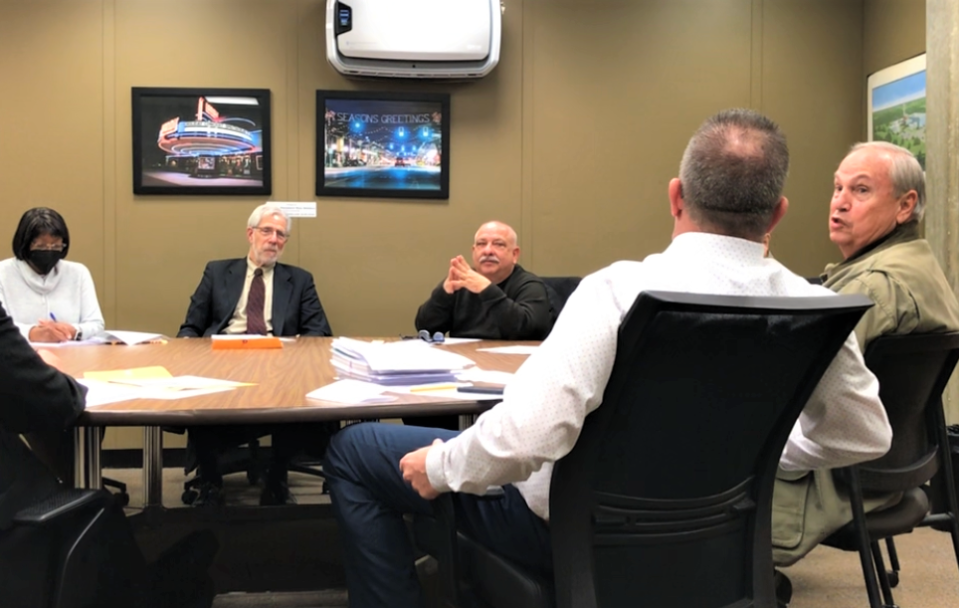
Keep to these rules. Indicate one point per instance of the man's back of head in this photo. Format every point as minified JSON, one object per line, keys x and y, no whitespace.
{"x":732,"y":174}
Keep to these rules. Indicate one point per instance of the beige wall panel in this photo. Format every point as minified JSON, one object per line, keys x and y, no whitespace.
{"x":163,"y":242}
{"x":618,"y":88}
{"x":51,"y":121}
{"x":376,"y":260}
{"x":894,"y":30}
{"x":812,"y":86}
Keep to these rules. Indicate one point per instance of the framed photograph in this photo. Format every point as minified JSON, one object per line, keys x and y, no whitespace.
{"x":201,"y":141}
{"x":896,"y":107}
{"x":384,"y":145}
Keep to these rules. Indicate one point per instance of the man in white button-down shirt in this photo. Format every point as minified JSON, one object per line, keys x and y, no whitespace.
{"x":728,"y":196}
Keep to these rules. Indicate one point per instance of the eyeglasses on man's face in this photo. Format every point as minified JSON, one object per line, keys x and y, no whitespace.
{"x":267,"y":232}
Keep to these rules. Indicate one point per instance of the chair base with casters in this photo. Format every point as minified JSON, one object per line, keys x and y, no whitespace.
{"x":249,"y":460}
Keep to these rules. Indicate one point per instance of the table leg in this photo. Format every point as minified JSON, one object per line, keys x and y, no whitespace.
{"x":86,"y":457}
{"x":152,"y":466}
{"x":466,"y":421}
{"x":79,"y":456}
{"x":94,"y":477}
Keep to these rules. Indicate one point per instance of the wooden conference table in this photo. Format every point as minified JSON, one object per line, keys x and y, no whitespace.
{"x":281,"y":377}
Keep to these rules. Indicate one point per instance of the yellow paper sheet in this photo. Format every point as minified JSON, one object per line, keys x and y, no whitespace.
{"x":138,"y":373}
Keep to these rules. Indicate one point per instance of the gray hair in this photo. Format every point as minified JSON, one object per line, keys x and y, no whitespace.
{"x":905,"y":172}
{"x":733,"y":171}
{"x":268,"y":209}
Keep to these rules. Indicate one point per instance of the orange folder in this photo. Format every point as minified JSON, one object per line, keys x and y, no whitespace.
{"x":248,"y":343}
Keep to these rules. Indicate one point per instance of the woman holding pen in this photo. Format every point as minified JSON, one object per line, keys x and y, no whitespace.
{"x":50,"y":299}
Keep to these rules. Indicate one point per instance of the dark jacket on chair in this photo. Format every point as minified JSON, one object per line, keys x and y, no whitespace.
{"x":296,"y":306}
{"x":33,"y":397}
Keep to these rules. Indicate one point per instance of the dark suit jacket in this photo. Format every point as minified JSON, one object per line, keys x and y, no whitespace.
{"x":33,"y":397}
{"x":296,"y":307}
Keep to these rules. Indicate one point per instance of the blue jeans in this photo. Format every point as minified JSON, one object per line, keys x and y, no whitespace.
{"x":370,"y":497}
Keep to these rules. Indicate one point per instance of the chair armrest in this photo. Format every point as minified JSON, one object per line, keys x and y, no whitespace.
{"x":63,"y":502}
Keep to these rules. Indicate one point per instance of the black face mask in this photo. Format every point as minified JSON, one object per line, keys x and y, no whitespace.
{"x":44,"y":261}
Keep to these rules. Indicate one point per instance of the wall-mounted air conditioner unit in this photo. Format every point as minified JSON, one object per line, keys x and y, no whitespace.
{"x":413,"y":38}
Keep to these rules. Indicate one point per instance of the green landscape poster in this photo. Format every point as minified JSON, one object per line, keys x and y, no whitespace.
{"x":899,"y":114}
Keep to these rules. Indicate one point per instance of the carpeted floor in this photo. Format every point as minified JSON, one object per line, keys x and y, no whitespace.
{"x":297,"y":564}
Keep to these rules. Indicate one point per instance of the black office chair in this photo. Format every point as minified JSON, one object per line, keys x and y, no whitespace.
{"x":245,"y":458}
{"x":559,"y":289}
{"x":665,"y":500}
{"x":74,"y":549}
{"x":913,"y":371}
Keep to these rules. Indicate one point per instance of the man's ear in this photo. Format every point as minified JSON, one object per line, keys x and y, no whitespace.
{"x":781,"y":208}
{"x":676,"y":203}
{"x":907,"y":204}
{"x":249,"y":234}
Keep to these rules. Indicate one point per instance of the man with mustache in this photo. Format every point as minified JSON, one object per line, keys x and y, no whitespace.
{"x":495,"y":299}
{"x":878,"y":200}
{"x":255,"y":295}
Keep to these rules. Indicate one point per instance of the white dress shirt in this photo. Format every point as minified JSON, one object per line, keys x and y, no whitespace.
{"x":237,"y":324}
{"x":545,"y":404}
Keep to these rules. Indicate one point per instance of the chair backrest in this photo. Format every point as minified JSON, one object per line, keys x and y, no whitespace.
{"x":559,"y":289}
{"x":665,"y":500}
{"x":913,"y":371}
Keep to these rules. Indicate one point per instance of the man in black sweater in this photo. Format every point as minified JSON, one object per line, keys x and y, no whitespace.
{"x":494,"y":300}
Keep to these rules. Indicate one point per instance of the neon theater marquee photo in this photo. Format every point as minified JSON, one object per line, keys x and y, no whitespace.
{"x":382,"y":144}
{"x":201,"y":141}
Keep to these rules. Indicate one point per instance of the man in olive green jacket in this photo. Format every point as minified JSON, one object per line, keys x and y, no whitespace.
{"x":878,"y":200}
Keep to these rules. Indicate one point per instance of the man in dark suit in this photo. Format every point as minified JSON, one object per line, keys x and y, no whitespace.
{"x":255,"y":295}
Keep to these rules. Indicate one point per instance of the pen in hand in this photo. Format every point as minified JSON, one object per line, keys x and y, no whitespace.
{"x":53,"y":318}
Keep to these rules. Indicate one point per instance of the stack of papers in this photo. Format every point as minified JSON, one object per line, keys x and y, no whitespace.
{"x":396,"y":363}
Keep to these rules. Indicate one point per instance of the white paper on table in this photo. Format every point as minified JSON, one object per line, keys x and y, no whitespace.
{"x":129,"y":338}
{"x":180,"y":383}
{"x":352,"y":392}
{"x":100,"y":392}
{"x":452,"y":341}
{"x":485,"y":376}
{"x":516,"y":349}
{"x":169,"y":393}
{"x":90,"y":342}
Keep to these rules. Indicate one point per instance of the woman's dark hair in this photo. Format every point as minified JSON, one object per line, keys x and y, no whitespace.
{"x":37,"y":221}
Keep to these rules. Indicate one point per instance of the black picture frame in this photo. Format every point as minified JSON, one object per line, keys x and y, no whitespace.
{"x":383,"y":144}
{"x":190,"y":141}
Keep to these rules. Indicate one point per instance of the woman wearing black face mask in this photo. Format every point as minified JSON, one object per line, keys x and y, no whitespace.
{"x":49,"y":298}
